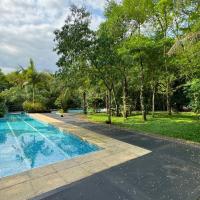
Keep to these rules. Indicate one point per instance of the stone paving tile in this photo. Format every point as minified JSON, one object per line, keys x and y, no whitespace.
{"x":46,"y":183}
{"x":95,"y":166}
{"x":111,"y":161}
{"x":73,"y":174}
{"x":41,"y":171}
{"x":13,"y":180}
{"x":64,"y":165}
{"x":17,"y":192}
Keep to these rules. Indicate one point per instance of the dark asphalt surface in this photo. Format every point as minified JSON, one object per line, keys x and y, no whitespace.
{"x":170,"y":172}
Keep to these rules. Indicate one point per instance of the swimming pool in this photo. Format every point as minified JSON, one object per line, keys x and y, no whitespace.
{"x":26,"y":143}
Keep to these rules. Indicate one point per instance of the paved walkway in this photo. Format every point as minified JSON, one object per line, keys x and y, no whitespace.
{"x":170,"y":172}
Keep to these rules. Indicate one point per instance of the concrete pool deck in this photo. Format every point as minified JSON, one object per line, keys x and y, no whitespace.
{"x":37,"y":181}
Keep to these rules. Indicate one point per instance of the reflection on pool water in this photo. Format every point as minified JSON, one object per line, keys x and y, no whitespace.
{"x":26,"y":143}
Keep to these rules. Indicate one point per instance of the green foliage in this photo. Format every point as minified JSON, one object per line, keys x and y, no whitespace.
{"x":14,"y":97}
{"x":140,"y":58}
{"x":138,"y":10}
{"x":194,"y":94}
{"x":35,"y":107}
{"x":27,"y":84}
{"x":3,"y":81}
{"x":74,"y":38}
{"x":67,"y":100}
{"x":96,"y":103}
{"x":2,"y":106}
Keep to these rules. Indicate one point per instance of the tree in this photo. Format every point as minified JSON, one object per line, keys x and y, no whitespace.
{"x":72,"y":44}
{"x":163,"y":12}
{"x":117,"y":28}
{"x":138,"y":12}
{"x":103,"y":59}
{"x":33,"y":78}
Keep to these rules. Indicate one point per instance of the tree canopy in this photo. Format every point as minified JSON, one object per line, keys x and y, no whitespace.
{"x":143,"y":57}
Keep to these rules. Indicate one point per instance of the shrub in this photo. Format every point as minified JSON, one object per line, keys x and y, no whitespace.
{"x":194,"y":94}
{"x":2,"y":110}
{"x":67,"y":100}
{"x":2,"y":107}
{"x":14,"y":97}
{"x":34,"y":107}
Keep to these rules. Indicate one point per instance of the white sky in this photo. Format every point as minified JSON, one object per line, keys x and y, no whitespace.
{"x":26,"y":30}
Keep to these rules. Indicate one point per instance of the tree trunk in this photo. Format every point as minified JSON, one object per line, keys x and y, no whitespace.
{"x":117,"y":110}
{"x":167,"y":74}
{"x":109,"y":106}
{"x":169,"y":110}
{"x":153,"y":101}
{"x":84,"y":103}
{"x":142,"y":104}
{"x":125,"y":89}
{"x":116,"y":103}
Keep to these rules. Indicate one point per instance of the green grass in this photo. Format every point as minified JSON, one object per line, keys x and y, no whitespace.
{"x":182,"y":125}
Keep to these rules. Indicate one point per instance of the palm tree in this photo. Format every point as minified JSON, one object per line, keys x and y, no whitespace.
{"x":33,"y":77}
{"x":181,"y":44}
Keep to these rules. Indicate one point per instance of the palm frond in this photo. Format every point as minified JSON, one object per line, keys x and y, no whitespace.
{"x":180,"y":44}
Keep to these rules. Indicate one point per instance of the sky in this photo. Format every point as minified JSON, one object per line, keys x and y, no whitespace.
{"x":27,"y":26}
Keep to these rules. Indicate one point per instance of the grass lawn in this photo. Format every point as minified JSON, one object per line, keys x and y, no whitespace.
{"x":182,"y":125}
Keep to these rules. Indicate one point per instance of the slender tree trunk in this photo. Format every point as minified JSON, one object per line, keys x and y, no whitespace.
{"x":153,"y":101}
{"x":168,"y":98}
{"x":116,"y":106}
{"x":166,"y":68}
{"x":169,"y":110}
{"x":117,"y":110}
{"x":109,"y":106}
{"x":125,"y":91}
{"x":116,"y":101}
{"x":142,"y":103}
{"x":84,"y":103}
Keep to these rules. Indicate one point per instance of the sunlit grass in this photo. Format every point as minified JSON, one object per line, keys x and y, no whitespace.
{"x":182,"y":125}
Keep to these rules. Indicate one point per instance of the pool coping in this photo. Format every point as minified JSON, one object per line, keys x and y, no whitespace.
{"x":34,"y":182}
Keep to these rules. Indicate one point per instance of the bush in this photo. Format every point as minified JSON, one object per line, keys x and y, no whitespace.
{"x":2,"y":110}
{"x":14,"y":97}
{"x":194,"y":95}
{"x":36,"y":107}
{"x":2,"y":107}
{"x":67,"y":100}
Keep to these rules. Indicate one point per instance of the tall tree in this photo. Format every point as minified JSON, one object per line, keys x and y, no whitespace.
{"x":72,"y":44}
{"x":163,"y":12}
{"x":139,"y":12}
{"x":117,"y":28}
{"x":33,"y":78}
{"x":103,"y":59}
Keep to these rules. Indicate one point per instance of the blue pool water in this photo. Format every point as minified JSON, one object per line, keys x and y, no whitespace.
{"x":26,"y":143}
